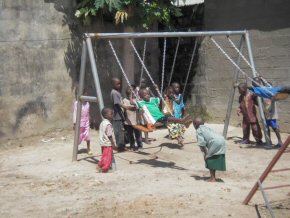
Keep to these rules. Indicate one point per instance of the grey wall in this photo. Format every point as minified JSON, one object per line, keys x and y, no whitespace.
{"x":269,"y":27}
{"x":40,"y":59}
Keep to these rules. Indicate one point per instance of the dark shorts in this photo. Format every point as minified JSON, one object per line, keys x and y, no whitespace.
{"x":272,"y":123}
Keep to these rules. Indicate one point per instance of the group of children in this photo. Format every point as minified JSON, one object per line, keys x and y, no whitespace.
{"x":247,"y":107}
{"x":140,"y":106}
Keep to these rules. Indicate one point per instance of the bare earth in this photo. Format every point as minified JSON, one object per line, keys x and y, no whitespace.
{"x":38,"y":179}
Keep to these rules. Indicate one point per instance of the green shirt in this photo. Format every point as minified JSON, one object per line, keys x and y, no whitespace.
{"x":207,"y":137}
{"x":153,"y":107}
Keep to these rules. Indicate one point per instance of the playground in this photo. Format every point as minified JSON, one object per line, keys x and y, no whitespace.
{"x":39,"y":179}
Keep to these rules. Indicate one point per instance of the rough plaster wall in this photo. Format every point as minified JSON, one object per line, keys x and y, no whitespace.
{"x":35,"y":88}
{"x":269,"y":27}
{"x":40,"y":44}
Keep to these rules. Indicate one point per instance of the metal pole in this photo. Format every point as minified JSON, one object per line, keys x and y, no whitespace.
{"x":95,"y":74}
{"x":89,"y":98}
{"x":79,"y":104}
{"x":163,"y":34}
{"x":97,"y":84}
{"x":262,"y":115}
{"x":266,"y":199}
{"x":232,"y":94}
{"x":267,"y":170}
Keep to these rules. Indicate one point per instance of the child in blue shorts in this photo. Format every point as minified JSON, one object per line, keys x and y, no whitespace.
{"x":271,"y":116}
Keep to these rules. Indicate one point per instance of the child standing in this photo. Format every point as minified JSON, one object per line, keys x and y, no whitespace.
{"x":247,"y":108}
{"x":119,"y":118}
{"x":213,"y":146}
{"x":107,"y":140}
{"x":84,"y":124}
{"x":178,"y":104}
{"x":271,"y":116}
{"x":132,"y":118}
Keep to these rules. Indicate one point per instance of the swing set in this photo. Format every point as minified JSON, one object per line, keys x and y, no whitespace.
{"x":87,"y":48}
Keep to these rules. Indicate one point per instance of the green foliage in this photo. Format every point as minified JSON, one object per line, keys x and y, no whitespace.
{"x":135,"y":12}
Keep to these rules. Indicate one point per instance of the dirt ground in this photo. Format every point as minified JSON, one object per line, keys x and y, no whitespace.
{"x":38,"y":179}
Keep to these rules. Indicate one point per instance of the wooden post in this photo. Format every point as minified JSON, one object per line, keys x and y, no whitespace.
{"x":267,"y":170}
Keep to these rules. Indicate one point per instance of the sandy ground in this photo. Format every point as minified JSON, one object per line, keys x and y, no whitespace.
{"x":38,"y":179}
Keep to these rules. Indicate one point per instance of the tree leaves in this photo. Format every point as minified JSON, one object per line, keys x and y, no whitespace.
{"x":145,"y":12}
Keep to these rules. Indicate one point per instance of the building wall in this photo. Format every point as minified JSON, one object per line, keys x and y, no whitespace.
{"x":269,"y":28}
{"x":40,"y":45}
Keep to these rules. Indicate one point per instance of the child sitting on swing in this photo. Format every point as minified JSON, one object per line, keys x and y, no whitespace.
{"x":176,"y":131}
{"x":150,"y":107}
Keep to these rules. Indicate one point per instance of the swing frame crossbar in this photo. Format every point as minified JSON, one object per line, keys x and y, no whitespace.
{"x":87,"y":48}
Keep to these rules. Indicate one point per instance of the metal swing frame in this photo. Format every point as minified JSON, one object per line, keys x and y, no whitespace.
{"x":87,"y":48}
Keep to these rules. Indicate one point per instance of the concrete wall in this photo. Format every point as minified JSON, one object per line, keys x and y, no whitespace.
{"x":269,"y":27}
{"x":40,"y":45}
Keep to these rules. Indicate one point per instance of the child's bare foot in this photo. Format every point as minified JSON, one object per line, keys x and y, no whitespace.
{"x":98,"y":168}
{"x":211,"y":180}
{"x":90,"y":153}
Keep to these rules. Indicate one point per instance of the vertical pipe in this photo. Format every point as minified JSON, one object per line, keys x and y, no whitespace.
{"x":262,"y":115}
{"x":97,"y":83}
{"x":79,"y":104}
{"x":266,"y":199}
{"x":95,"y":74}
{"x":267,"y":170}
{"x":232,"y":95}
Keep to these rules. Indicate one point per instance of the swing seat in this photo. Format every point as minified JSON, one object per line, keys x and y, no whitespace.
{"x":281,"y":96}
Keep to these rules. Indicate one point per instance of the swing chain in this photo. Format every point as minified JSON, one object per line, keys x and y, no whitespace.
{"x":148,"y":74}
{"x":190,"y":66}
{"x":173,"y":64}
{"x":122,"y":70}
{"x":231,"y":60}
{"x":244,"y":58}
{"x":163,"y":65}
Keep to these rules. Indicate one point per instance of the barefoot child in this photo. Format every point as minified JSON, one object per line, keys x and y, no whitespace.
{"x":131,"y":118}
{"x":107,"y":140}
{"x":212,"y":145}
{"x":247,"y":108}
{"x":118,"y":119}
{"x":178,"y":104}
{"x":271,"y":115}
{"x":176,"y":131}
{"x":84,"y":124}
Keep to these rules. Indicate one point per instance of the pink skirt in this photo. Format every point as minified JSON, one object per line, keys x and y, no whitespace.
{"x":84,"y":134}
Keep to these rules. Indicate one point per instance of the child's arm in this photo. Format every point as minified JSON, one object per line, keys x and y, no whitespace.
{"x":112,"y":142}
{"x":204,"y":150}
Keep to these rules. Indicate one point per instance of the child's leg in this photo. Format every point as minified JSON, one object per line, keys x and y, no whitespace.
{"x":130,"y":131}
{"x":212,"y":176}
{"x":246,"y":130}
{"x":277,"y":132}
{"x":89,"y":147}
{"x":180,"y":141}
{"x":138,"y":137}
{"x":119,"y":133}
{"x":107,"y":157}
{"x":256,"y":131}
{"x":286,"y":89}
{"x":101,"y":162}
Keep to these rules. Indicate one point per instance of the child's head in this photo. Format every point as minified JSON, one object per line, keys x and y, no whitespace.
{"x":116,"y":82}
{"x":242,"y":88}
{"x":144,"y":94}
{"x":257,"y":81}
{"x":176,"y":87}
{"x":170,"y":92}
{"x":197,"y":122}
{"x":128,"y":91}
{"x":143,"y":83}
{"x":107,"y":113}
